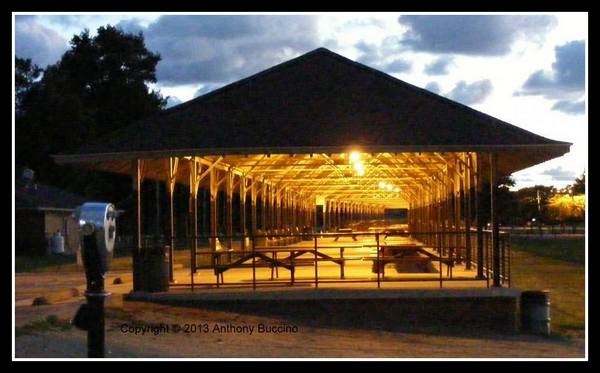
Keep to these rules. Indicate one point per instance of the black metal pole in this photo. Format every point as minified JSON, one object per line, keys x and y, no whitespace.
{"x":94,"y":295}
{"x":95,"y":333}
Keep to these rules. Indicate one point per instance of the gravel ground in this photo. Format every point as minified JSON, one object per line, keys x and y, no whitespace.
{"x":307,"y":341}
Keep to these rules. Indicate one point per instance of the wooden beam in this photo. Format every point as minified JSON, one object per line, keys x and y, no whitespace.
{"x":214,"y":190}
{"x":242,"y":184}
{"x":173,"y":164}
{"x":494,"y":217}
{"x":229,"y":208}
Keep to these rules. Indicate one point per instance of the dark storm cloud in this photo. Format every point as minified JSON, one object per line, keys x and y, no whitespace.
{"x":570,"y":107}
{"x":439,"y":66}
{"x":487,"y":35}
{"x":560,"y":174}
{"x":374,"y":56}
{"x":131,"y":26}
{"x":397,"y":66}
{"x":566,"y":77}
{"x":32,"y":40}
{"x":565,"y":82}
{"x":470,"y":93}
{"x":368,"y":53}
{"x":433,"y":87}
{"x":219,"y":49}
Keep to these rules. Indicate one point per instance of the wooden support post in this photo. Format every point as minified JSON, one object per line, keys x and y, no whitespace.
{"x":170,"y":183}
{"x":468,"y":190}
{"x":456,"y":209}
{"x":294,"y":222}
{"x":272,"y":209}
{"x":494,"y":218}
{"x":214,"y":191}
{"x":263,"y":210}
{"x":253,"y":214}
{"x":137,"y":179}
{"x":243,"y":193}
{"x":479,"y":215}
{"x":137,"y":168}
{"x":229,"y":208}
{"x":195,"y":168}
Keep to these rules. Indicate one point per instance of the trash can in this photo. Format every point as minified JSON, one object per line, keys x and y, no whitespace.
{"x":138,"y":271}
{"x":151,"y":269}
{"x":156,"y":269}
{"x":535,"y":312}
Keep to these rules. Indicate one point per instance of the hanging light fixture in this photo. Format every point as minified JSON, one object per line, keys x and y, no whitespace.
{"x":354,"y":157}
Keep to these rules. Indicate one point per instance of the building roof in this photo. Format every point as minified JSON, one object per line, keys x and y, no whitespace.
{"x":45,"y":197}
{"x":320,"y":102}
{"x":317,"y":99}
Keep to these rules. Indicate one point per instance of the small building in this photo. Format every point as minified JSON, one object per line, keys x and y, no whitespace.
{"x":41,"y":212}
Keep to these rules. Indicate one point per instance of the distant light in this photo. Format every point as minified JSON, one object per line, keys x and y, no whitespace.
{"x":381,"y":185}
{"x":396,"y":189}
{"x":533,"y":219}
{"x":354,"y":157}
{"x":389,"y":187}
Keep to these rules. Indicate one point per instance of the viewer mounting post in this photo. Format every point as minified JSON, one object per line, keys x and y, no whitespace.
{"x":97,"y":225}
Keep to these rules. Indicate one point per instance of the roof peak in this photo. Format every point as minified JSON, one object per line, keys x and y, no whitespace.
{"x":283,"y":64}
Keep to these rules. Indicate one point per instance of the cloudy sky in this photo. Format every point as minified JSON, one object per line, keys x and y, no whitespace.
{"x":526,"y":69}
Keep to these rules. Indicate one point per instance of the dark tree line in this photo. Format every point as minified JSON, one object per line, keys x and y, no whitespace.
{"x":519,"y":207}
{"x":99,"y":85}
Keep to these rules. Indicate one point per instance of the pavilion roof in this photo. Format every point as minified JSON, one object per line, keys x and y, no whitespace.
{"x":318,"y":103}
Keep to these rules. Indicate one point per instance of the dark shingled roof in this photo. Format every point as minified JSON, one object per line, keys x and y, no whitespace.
{"x":317,"y":99}
{"x":45,"y":197}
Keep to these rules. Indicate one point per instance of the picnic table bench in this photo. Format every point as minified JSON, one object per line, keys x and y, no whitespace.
{"x":345,"y":231}
{"x":405,"y":252}
{"x":288,"y":262}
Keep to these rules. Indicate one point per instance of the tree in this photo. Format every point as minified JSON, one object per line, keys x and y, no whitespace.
{"x":504,"y":200}
{"x":532,"y":203}
{"x":99,"y":85}
{"x":567,"y":209}
{"x":578,"y":187}
{"x":26,"y":74}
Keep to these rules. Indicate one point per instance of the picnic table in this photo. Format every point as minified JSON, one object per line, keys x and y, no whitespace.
{"x":395,"y":232}
{"x":404,"y":251}
{"x":289,"y":262}
{"x":345,"y":231}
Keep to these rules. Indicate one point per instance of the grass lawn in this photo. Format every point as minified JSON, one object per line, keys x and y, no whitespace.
{"x":556,"y":264}
{"x":62,"y":263}
{"x":68,"y":263}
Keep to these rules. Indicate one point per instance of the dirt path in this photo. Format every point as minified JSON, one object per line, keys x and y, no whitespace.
{"x":307,"y":341}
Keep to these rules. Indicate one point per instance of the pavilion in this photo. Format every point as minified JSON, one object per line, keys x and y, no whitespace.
{"x":323,"y":133}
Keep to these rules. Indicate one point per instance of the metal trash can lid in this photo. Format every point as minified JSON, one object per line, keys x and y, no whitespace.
{"x":535,"y":295}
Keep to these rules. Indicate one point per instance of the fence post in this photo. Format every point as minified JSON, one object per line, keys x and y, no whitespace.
{"x":316,"y":263}
{"x":253,"y":265}
{"x":378,"y":262}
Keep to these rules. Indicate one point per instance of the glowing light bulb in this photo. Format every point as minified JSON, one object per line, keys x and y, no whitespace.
{"x":389,"y":187}
{"x":396,"y":189}
{"x":381,"y":185}
{"x":354,"y":157}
